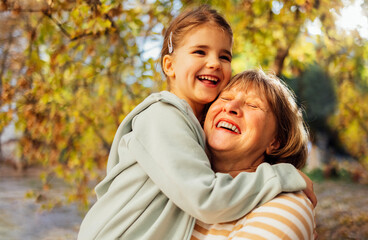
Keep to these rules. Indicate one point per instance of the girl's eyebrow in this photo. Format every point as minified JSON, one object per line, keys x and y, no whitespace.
{"x":228,"y":52}
{"x":206,"y":47}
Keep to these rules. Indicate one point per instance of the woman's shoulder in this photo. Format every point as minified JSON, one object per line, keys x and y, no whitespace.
{"x":288,"y":215}
{"x":294,"y":204}
{"x":298,"y":198}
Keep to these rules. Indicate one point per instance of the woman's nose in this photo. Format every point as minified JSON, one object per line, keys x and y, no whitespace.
{"x":233,"y":108}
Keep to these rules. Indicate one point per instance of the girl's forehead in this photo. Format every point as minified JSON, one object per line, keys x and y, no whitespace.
{"x":194,"y":29}
{"x":209,"y":24}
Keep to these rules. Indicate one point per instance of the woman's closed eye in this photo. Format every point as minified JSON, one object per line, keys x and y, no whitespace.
{"x":252,"y":105}
{"x":225,"y":98}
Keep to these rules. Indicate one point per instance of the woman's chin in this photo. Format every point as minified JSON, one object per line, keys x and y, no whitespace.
{"x":219,"y":146}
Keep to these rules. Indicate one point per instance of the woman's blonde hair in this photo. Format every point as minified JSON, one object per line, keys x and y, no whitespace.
{"x":291,"y":132}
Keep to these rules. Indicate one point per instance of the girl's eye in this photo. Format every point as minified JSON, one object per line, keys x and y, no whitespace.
{"x":200,"y":52}
{"x":226,"y":58}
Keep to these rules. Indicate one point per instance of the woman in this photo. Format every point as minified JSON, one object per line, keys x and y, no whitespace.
{"x":256,"y":120}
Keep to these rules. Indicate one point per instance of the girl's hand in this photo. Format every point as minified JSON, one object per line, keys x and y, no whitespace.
{"x":309,"y":190}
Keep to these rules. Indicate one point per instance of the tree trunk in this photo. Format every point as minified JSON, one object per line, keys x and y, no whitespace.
{"x":282,"y":53}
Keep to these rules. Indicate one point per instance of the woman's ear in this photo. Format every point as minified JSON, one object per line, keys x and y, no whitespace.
{"x":167,"y":65}
{"x":275,"y":144}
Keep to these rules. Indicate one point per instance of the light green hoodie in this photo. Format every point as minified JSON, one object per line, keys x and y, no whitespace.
{"x":159,"y":179}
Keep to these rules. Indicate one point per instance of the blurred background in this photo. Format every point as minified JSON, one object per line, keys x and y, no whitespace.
{"x":71,"y":70}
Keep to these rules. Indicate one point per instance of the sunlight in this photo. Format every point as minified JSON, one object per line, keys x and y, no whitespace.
{"x":351,"y":18}
{"x":314,"y":28}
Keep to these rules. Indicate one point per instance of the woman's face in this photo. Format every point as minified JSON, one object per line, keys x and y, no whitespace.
{"x":240,"y":125}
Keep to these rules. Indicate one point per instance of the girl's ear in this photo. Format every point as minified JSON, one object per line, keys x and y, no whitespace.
{"x":167,"y":65}
{"x":275,"y":144}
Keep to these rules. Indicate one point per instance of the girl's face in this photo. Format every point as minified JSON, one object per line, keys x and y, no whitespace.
{"x":200,"y":67}
{"x":240,"y":125}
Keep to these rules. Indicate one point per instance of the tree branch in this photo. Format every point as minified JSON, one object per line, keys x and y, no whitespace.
{"x":63,"y":30}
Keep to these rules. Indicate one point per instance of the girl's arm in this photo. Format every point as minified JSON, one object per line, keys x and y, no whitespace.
{"x":166,"y":145}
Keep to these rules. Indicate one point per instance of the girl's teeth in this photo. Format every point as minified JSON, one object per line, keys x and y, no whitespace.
{"x":208,"y":78}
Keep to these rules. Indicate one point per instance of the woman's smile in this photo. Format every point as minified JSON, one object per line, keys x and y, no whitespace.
{"x":240,"y":124}
{"x":228,"y":126}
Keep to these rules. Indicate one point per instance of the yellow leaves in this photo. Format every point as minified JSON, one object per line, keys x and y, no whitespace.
{"x":353,"y":136}
{"x":135,"y":26}
{"x":261,"y":23}
{"x":105,"y":8}
{"x":73,"y":160}
{"x":79,"y":13}
{"x":97,"y":25}
{"x":89,"y":19}
{"x":5,"y":119}
{"x":59,"y":171}
{"x":300,"y":56}
{"x":30,"y":194}
{"x":300,"y":2}
{"x":259,"y":7}
{"x":351,"y":120}
{"x":101,"y":90}
{"x":7,"y":93}
{"x":118,"y":94}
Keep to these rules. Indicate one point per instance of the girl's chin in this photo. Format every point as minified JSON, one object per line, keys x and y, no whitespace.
{"x":208,"y":99}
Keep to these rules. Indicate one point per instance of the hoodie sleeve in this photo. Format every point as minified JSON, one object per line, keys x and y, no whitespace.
{"x":166,"y":145}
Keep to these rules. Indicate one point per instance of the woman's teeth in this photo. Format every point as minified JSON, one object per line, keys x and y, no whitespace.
{"x":228,"y":126}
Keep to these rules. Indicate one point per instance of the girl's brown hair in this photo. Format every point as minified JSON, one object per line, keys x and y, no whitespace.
{"x":292,"y":132}
{"x":189,"y":20}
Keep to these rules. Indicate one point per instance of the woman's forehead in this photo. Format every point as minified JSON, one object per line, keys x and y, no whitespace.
{"x":246,"y":87}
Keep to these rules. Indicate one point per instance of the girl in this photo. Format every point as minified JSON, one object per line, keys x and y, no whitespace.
{"x":159,"y":179}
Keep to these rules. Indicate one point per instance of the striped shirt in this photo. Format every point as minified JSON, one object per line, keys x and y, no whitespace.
{"x":287,"y":216}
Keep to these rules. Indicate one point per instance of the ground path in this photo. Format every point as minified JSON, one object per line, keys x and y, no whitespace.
{"x":342,"y":210}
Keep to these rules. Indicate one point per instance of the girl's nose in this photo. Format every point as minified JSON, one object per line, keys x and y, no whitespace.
{"x":213,"y":62}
